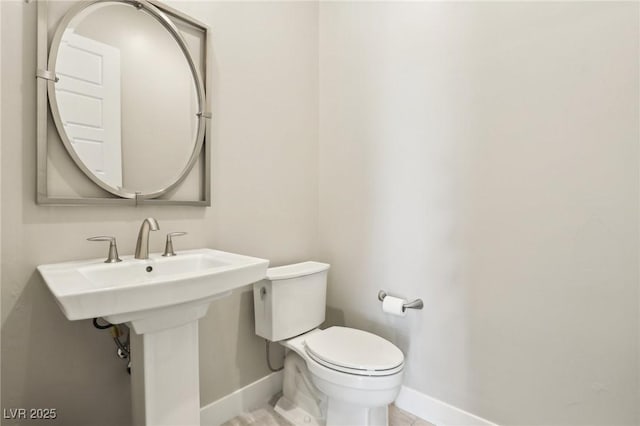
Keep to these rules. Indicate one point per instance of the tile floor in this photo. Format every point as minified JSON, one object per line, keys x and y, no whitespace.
{"x":266,"y":416}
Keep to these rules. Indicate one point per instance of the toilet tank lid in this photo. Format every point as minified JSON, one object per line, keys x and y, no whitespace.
{"x":296,"y":270}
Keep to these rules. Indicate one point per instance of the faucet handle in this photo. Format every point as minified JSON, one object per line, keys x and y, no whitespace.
{"x":113,"y":248}
{"x":168,"y":247}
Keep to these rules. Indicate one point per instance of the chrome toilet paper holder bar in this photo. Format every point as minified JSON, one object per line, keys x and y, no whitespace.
{"x":414,"y":304}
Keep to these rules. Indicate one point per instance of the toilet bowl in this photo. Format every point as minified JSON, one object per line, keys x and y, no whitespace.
{"x":338,"y":376}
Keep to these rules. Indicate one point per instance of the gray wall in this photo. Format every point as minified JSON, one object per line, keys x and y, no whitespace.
{"x":264,"y":204}
{"x":484,"y":156}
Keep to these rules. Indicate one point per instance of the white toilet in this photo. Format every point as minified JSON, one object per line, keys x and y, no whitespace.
{"x":337,"y":376}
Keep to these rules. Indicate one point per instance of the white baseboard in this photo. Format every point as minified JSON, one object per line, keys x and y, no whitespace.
{"x":435,"y":411}
{"x":246,"y":399}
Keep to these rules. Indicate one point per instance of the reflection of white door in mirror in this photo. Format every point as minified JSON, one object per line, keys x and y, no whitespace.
{"x":88,"y":95}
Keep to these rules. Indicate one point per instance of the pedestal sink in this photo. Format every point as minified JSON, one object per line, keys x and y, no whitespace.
{"x":161,"y":298}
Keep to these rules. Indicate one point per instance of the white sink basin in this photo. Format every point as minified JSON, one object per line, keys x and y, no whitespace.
{"x":134,"y":288}
{"x":161,"y":298}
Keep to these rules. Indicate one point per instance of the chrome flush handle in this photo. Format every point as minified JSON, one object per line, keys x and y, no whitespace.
{"x":113,"y":248}
{"x":168,"y":247}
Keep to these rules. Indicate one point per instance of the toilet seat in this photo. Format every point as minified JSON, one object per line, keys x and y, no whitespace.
{"x":354,"y":352}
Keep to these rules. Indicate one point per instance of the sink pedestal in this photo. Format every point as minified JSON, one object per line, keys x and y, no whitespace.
{"x":164,"y":377}
{"x":165,"y":387}
{"x":165,"y":382}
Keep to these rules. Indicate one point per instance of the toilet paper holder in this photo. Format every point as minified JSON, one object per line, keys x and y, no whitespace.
{"x":414,"y":304}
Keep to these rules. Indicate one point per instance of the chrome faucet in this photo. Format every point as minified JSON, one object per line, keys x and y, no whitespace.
{"x":142,"y":246}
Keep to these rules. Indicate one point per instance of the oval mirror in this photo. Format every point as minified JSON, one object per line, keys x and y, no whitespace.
{"x":128,"y":97}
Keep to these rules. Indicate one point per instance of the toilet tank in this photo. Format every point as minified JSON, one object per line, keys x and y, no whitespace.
{"x":291,"y":300}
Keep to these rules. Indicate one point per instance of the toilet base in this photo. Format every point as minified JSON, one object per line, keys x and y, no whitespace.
{"x":304,"y":403}
{"x":301,"y":403}
{"x":338,"y":414}
{"x":295,"y":414}
{"x":347,"y":414}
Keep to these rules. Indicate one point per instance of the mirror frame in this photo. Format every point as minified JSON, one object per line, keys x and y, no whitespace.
{"x":47,"y":102}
